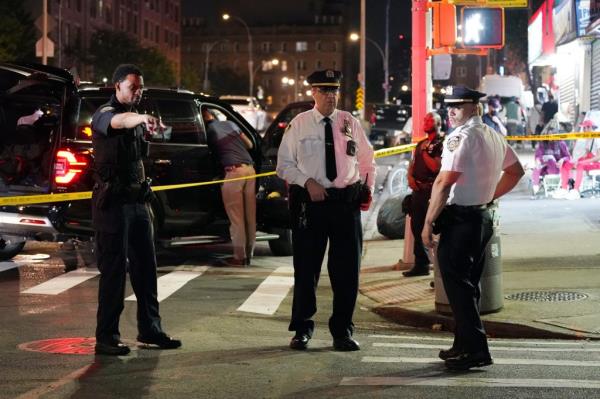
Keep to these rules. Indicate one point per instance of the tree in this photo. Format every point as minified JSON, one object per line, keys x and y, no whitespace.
{"x":17,"y":32}
{"x":190,"y":78}
{"x":109,"y":49}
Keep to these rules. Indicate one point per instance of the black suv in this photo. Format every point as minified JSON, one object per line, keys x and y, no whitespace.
{"x":45,"y":147}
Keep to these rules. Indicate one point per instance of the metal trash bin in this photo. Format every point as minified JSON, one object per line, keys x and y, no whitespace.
{"x":492,"y":299}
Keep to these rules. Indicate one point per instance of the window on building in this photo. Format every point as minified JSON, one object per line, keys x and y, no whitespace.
{"x":335,"y":46}
{"x":167,"y":36}
{"x":176,"y":38}
{"x":135,"y":24}
{"x":334,"y":65}
{"x":78,"y":5}
{"x":93,"y":9}
{"x":77,"y":42}
{"x":156,"y":34}
{"x":265,"y":47}
{"x":236,"y":47}
{"x":318,"y":64}
{"x":223,"y":47}
{"x":108,"y":14}
{"x":301,"y":65}
{"x":284,"y":66}
{"x":301,"y":46}
{"x":283,"y":47}
{"x":318,"y":45}
{"x":176,"y":14}
{"x":145,"y":29}
{"x":66,"y":34}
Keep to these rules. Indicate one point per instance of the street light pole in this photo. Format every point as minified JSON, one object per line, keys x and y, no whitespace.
{"x":250,"y":60}
{"x":209,"y":47}
{"x":386,"y":71}
{"x":363,"y":48}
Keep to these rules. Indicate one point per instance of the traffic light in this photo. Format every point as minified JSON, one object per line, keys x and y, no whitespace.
{"x":444,"y":24}
{"x":482,"y":27}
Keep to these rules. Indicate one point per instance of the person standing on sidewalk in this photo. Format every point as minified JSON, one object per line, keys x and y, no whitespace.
{"x":239,"y":197}
{"x":324,"y":156}
{"x":477,"y":168}
{"x":422,"y":171}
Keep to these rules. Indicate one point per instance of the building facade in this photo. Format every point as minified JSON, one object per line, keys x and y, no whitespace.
{"x":281,"y":56}
{"x":153,"y":23}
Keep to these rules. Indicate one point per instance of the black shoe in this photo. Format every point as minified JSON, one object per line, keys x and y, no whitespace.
{"x":115,"y":348}
{"x":163,"y":341}
{"x":345,"y":344}
{"x":417,"y":271}
{"x":449,"y":353}
{"x":299,"y":341}
{"x":465,"y":361}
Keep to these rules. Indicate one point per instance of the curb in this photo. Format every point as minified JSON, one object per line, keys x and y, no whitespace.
{"x":496,"y":329}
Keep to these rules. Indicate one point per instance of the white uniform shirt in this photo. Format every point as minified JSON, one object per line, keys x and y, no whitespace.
{"x":480,"y":154}
{"x":301,"y":154}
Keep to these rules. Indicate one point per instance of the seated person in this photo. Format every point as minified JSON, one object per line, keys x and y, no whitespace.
{"x":590,"y":160}
{"x":550,"y":157}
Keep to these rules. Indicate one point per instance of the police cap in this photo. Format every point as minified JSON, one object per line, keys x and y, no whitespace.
{"x":325,"y":78}
{"x":461,"y":95}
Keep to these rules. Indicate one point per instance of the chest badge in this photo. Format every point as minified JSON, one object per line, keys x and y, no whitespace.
{"x":453,"y":143}
{"x":346,"y":129}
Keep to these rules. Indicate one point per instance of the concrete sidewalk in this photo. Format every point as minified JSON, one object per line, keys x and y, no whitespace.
{"x":551,"y":273}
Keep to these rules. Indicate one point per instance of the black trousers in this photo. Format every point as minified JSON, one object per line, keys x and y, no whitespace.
{"x":418,"y":211}
{"x":464,"y":235}
{"x":133,"y":246}
{"x":313,"y":225}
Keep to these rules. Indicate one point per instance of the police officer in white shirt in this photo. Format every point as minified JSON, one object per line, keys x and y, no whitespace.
{"x":324,"y":156}
{"x":478,"y":166}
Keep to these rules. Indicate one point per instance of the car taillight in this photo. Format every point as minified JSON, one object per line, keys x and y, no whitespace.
{"x":282,"y":125}
{"x":68,"y":166}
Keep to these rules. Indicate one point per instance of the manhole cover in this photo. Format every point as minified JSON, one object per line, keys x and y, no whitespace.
{"x":72,"y":346}
{"x":547,"y":296}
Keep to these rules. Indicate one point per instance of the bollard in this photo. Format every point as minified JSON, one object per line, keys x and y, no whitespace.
{"x":490,"y":284}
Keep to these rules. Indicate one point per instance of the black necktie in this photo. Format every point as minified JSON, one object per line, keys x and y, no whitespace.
{"x":330,"y":169}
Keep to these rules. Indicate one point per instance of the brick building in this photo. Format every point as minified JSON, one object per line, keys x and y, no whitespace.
{"x":154,"y":23}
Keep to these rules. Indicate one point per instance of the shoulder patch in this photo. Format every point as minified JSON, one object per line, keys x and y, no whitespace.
{"x":453,"y":143}
{"x":107,"y":109}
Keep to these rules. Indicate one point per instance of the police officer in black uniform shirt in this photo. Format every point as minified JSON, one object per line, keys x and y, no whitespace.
{"x":121,"y":216}
{"x":324,"y":156}
{"x":478,"y":166}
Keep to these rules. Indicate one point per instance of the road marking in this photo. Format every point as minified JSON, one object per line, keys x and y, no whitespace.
{"x":531,"y":362}
{"x":495,"y":348}
{"x":171,"y":282}
{"x":440,"y":380}
{"x":4,"y":266}
{"x":491,"y":341}
{"x":63,"y":282}
{"x":270,"y":293}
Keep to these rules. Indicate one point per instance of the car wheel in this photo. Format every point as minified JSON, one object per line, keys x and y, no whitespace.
{"x":283,"y":245}
{"x":10,"y":250}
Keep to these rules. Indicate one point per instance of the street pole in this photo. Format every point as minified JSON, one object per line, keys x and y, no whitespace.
{"x":209,"y":47}
{"x":363,"y":47}
{"x":386,"y":71}
{"x":419,"y":67}
{"x":45,"y":31}
{"x":250,"y":60}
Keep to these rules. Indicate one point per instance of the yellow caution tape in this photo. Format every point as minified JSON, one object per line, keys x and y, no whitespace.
{"x":49,"y":198}
{"x":558,"y":136}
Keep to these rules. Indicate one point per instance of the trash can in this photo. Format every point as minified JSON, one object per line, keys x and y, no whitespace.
{"x":492,"y":299}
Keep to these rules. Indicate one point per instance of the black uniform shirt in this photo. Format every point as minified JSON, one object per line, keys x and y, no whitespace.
{"x":434,"y":149}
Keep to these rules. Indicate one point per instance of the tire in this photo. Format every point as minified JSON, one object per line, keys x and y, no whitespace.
{"x":9,"y":251}
{"x":283,"y":245}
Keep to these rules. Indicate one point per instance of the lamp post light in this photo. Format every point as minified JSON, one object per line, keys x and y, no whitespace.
{"x":386,"y":85}
{"x":226,"y":17}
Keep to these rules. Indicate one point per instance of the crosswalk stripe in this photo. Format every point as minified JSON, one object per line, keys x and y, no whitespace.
{"x":440,"y":380}
{"x":171,"y":282}
{"x":491,"y":341}
{"x":4,"y":266}
{"x":63,"y":282}
{"x":493,"y":347}
{"x":270,"y":293}
{"x":504,"y":361}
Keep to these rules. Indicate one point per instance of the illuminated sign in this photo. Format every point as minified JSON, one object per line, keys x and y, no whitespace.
{"x":492,"y":3}
{"x":482,"y":27}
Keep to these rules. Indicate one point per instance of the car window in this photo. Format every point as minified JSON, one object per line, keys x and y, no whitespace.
{"x":89,"y":105}
{"x":183,"y":118}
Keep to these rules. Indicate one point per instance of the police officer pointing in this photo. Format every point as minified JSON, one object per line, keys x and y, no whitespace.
{"x":324,"y":155}
{"x":121,"y":216}
{"x":478,"y":166}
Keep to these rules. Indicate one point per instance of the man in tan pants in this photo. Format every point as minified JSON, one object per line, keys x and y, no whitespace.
{"x":239,"y":197}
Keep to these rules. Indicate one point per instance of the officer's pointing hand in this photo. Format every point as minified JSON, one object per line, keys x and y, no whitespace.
{"x":152,"y":123}
{"x":427,"y":235}
{"x":315,"y":190}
